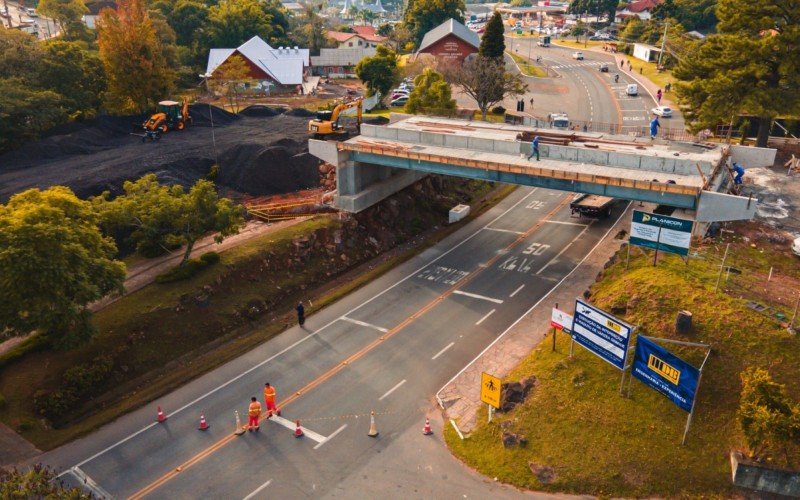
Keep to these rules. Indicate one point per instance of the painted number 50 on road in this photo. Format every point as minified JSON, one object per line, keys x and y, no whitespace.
{"x":536,"y":249}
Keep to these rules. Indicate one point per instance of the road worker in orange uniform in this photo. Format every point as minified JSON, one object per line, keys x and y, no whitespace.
{"x":269,"y":400}
{"x":254,"y":412}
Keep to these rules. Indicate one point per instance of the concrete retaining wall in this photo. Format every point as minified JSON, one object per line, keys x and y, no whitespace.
{"x":719,"y":207}
{"x":748,"y":474}
{"x":750,"y":157}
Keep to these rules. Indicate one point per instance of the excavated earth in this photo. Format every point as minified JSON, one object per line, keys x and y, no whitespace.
{"x":261,"y":151}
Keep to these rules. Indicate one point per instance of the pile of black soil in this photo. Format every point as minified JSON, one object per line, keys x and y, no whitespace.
{"x":378,"y":120}
{"x":259,"y":170}
{"x":260,"y":111}
{"x":204,"y":114}
{"x":303,"y":113}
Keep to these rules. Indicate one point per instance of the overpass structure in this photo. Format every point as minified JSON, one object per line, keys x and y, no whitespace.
{"x":385,"y":159}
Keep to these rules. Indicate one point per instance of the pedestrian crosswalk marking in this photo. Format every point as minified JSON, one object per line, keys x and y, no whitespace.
{"x":291,"y":426}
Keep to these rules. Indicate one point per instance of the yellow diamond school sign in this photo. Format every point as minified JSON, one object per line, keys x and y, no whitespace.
{"x":490,"y":390}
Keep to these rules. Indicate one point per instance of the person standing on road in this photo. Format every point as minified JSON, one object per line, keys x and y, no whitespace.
{"x":253,"y":413}
{"x":269,"y":400}
{"x":534,"y":148}
{"x":654,"y":126}
{"x":301,"y":314}
{"x":622,"y":64}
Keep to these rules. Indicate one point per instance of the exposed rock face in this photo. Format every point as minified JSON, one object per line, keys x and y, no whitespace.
{"x":514,"y":393}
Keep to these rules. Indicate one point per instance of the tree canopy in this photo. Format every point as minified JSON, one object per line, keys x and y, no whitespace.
{"x":68,"y":13}
{"x":493,"y":43}
{"x":769,"y":419}
{"x":53,"y":262}
{"x":163,"y":216}
{"x":378,"y":72}
{"x":132,"y":54}
{"x":37,"y":482}
{"x":594,"y":7}
{"x":749,"y":68}
{"x":431,"y":95}
{"x":421,"y":16}
{"x":233,"y":22}
{"x":486,"y":81}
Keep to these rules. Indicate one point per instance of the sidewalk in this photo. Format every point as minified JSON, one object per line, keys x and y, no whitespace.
{"x":461,"y":396}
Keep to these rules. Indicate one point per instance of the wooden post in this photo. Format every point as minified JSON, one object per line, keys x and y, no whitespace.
{"x":721,"y":267}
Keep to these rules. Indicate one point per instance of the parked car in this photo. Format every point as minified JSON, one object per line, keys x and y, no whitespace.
{"x":578,"y":56}
{"x":632,"y":89}
{"x":400,"y":101}
{"x":664,"y":111}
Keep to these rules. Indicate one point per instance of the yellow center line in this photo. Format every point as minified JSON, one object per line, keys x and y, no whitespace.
{"x":339,"y":367}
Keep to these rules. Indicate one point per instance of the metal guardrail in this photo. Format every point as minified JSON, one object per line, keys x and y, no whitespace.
{"x":275,"y":212}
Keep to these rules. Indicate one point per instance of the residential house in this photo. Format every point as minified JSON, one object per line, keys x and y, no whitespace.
{"x":364,"y":37}
{"x":639,"y":8}
{"x":339,"y":63}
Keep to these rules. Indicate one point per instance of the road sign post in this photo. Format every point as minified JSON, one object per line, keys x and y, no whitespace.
{"x":490,"y":392}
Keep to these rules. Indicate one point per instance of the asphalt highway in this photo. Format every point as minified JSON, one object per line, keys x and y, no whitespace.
{"x":385,"y":348}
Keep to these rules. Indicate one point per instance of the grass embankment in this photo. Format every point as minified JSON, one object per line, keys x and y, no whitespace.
{"x":526,"y":67}
{"x":593,"y":440}
{"x":160,"y":339}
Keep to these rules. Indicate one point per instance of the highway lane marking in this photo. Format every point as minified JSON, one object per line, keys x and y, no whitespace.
{"x":486,"y":316}
{"x":517,"y":290}
{"x":298,"y":342}
{"x":257,"y":490}
{"x":292,"y":426}
{"x":392,"y":389}
{"x":503,"y":230}
{"x":362,"y":323}
{"x":534,"y":306}
{"x":369,"y":347}
{"x":585,"y":227}
{"x":448,"y":346}
{"x":333,"y":435}
{"x":565,"y":223}
{"x":90,"y":483}
{"x":479,"y":297}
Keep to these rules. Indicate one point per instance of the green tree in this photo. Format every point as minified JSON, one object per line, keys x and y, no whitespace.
{"x":696,"y":14}
{"x":594,"y":7}
{"x":233,"y":22}
{"x":68,"y":13}
{"x":769,"y":419}
{"x":37,"y":482}
{"x":26,"y":111}
{"x":136,"y":67}
{"x":228,"y":77}
{"x":486,"y":81}
{"x":421,"y":16}
{"x":749,"y":67}
{"x":378,"y":72}
{"x":54,"y":262}
{"x":21,"y":53}
{"x":75,"y":73}
{"x":431,"y":95}
{"x":161,"y":216}
{"x":188,"y":18}
{"x":311,"y":31}
{"x":493,"y":42}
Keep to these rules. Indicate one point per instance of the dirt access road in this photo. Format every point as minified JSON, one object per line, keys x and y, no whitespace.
{"x":261,"y":151}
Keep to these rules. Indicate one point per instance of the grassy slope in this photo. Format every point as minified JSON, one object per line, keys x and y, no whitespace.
{"x":603,"y":444}
{"x":527,"y":68}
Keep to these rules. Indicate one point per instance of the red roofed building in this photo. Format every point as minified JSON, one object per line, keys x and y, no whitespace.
{"x":366,"y":38}
{"x":639,"y":8}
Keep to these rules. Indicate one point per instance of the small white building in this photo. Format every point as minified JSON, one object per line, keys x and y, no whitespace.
{"x":339,"y":63}
{"x":645,"y":52}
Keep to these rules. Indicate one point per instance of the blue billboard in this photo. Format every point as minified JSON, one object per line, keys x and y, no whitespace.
{"x":668,"y":374}
{"x":601,"y":333}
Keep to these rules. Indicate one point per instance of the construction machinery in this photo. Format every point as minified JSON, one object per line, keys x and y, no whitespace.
{"x":327,"y":124}
{"x":172,"y":115}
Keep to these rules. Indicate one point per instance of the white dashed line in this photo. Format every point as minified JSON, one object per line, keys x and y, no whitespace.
{"x":451,"y":344}
{"x":517,"y":290}
{"x":392,"y":389}
{"x":337,"y":431}
{"x":486,"y":316}
{"x":257,"y":490}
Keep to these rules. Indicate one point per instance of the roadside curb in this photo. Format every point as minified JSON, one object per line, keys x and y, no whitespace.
{"x":459,"y":398}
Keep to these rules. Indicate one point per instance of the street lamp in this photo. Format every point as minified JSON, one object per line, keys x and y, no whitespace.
{"x":205,"y":77}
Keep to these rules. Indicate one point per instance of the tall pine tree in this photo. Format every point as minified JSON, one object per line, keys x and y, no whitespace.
{"x":492,"y":44}
{"x":137,"y":71}
{"x":750,"y":67}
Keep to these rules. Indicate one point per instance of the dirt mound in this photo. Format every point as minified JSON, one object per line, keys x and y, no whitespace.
{"x":202,"y":115}
{"x":260,"y":111}
{"x":378,"y":120}
{"x":267,"y":170}
{"x":303,"y":113}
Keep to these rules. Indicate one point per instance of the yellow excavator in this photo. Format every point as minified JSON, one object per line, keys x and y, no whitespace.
{"x":172,"y":115}
{"x":326,"y":124}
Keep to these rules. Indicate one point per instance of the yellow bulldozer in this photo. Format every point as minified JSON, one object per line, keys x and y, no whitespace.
{"x":171,"y":115}
{"x":327,"y":124}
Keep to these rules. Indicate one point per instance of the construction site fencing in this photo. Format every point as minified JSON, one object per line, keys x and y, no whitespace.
{"x":279,"y":211}
{"x":673,"y":134}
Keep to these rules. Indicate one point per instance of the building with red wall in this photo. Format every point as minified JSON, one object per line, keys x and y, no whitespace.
{"x":450,"y":42}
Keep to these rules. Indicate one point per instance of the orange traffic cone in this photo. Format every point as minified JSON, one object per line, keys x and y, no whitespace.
{"x":298,"y":432}
{"x":373,"y":429}
{"x":427,"y":431}
{"x":160,"y":417}
{"x":203,"y":424}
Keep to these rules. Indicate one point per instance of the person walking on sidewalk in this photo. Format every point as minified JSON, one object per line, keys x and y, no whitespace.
{"x":534,"y":148}
{"x":658,"y":96}
{"x":269,"y":400}
{"x":301,"y":314}
{"x":253,"y":413}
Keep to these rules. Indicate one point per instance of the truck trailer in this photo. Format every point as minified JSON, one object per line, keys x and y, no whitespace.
{"x":591,"y":206}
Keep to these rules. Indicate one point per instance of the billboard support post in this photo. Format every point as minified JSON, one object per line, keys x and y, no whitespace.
{"x":691,"y":413}
{"x":554,"y":333}
{"x":658,"y":243}
{"x":628,"y":261}
{"x":721,"y":267}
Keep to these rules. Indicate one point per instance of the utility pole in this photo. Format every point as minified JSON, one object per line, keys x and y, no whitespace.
{"x":663,"y":43}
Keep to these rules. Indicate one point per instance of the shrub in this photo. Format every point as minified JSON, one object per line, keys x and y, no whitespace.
{"x":25,"y":426}
{"x":189,"y":269}
{"x":498,"y":110}
{"x":54,"y":405}
{"x":213,"y":172}
{"x":210,"y":258}
{"x":79,"y":381}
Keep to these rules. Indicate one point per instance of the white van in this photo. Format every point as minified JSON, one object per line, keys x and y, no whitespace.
{"x":632,"y":89}
{"x":31,"y":12}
